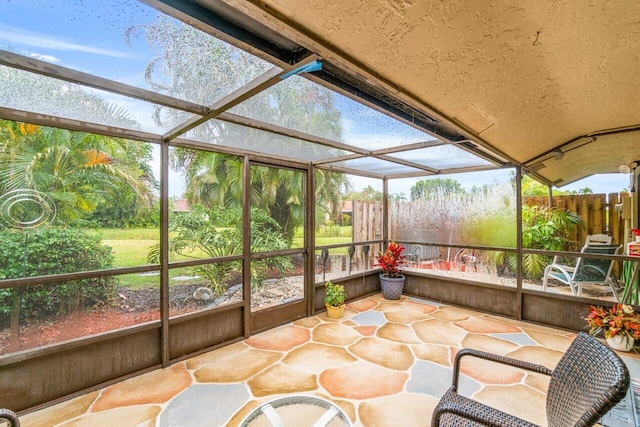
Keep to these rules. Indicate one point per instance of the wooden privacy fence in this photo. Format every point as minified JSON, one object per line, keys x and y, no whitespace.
{"x":367,"y":226}
{"x":367,"y":221}
{"x":597,"y":211}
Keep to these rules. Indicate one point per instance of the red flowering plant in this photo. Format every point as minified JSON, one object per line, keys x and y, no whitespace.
{"x":391,"y":260}
{"x":617,"y":320}
{"x":635,"y":231}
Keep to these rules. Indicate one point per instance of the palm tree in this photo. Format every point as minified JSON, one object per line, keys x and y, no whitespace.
{"x":213,"y":70}
{"x":77,"y":170}
{"x":331,"y":188}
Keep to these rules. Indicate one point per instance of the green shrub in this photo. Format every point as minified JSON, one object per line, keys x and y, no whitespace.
{"x":53,"y":251}
{"x":218,"y":233}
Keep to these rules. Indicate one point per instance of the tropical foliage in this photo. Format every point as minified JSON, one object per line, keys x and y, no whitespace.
{"x":367,"y":194}
{"x":218,"y":233}
{"x":295,"y":103}
{"x":46,"y":252}
{"x":87,"y":176}
{"x":427,"y":188}
{"x":391,"y":260}
{"x":545,"y":228}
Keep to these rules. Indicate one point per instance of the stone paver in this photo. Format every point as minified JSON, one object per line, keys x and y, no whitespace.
{"x":488,"y":343}
{"x":191,"y":407}
{"x":307,"y":322}
{"x":370,"y":318}
{"x":405,"y":316}
{"x":283,"y":338}
{"x":453,"y":314}
{"x":237,"y":367}
{"x":60,"y":412}
{"x":280,"y":379}
{"x":434,"y":353}
{"x":488,"y":372}
{"x":385,"y":353}
{"x":363,"y":304}
{"x":421,"y":307}
{"x":439,"y":332}
{"x":316,"y":358}
{"x":385,"y":363}
{"x":398,"y":332}
{"x":362,"y":380}
{"x":367,"y":331}
{"x":553,"y":341}
{"x":155,"y":387}
{"x":433,"y":379}
{"x":540,"y":355}
{"x":530,"y":402}
{"x":126,"y":416}
{"x":336,"y":334}
{"x":487,"y":326}
{"x":400,"y":410}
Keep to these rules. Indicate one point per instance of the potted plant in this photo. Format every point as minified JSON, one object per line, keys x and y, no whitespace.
{"x":334,"y":300}
{"x":391,"y":278}
{"x":620,"y":325}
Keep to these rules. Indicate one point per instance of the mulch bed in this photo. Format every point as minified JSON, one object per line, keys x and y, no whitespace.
{"x":134,"y":307}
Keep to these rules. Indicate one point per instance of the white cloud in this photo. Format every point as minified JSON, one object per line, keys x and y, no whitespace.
{"x":47,"y":58}
{"x":29,"y":38}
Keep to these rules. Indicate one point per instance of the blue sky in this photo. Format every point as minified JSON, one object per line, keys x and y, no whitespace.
{"x":78,"y":35}
{"x":603,"y":183}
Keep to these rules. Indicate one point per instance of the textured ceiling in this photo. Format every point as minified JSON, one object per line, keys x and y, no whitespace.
{"x":525,"y":77}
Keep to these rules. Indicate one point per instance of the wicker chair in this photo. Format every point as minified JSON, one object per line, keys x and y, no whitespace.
{"x":10,"y":417}
{"x":589,"y":380}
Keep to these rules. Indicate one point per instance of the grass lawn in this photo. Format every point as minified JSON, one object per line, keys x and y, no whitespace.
{"x":126,"y":233}
{"x":131,"y":246}
{"x":130,"y":253}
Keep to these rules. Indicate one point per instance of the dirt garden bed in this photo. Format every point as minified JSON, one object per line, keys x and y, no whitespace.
{"x":138,"y":306}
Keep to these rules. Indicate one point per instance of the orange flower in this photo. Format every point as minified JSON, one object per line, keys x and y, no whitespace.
{"x":620,"y":319}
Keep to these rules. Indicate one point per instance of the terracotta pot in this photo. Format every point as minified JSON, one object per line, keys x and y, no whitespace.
{"x":335,"y":312}
{"x":392,"y":286}
{"x":620,"y":342}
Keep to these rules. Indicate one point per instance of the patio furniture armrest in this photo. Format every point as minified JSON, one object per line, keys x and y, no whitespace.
{"x":567,"y":270}
{"x":533,"y":367}
{"x":10,"y":417}
{"x":452,"y":407}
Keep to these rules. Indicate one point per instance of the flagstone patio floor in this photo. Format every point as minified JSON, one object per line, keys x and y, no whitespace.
{"x":385,"y":363}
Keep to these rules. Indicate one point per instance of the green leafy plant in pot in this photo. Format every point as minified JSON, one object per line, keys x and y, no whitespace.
{"x":334,"y":300}
{"x":391,"y":278}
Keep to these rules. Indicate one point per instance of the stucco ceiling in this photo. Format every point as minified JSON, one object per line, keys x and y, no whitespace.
{"x":524,"y":77}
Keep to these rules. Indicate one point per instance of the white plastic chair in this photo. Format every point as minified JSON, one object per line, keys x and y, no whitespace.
{"x":587,"y":271}
{"x":598,"y":239}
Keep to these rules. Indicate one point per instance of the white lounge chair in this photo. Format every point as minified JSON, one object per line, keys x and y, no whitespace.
{"x":587,"y":271}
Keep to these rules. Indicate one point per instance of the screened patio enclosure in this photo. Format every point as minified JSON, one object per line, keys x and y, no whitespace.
{"x":177,"y":176}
